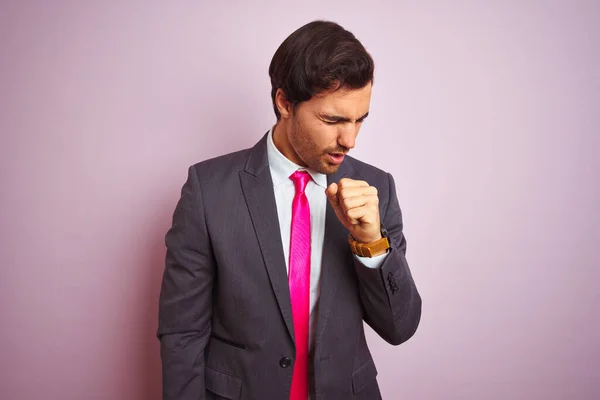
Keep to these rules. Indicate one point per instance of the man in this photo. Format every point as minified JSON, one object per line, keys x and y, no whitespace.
{"x":279,"y":252}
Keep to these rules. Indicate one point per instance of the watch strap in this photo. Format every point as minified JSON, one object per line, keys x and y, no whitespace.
{"x":368,"y":249}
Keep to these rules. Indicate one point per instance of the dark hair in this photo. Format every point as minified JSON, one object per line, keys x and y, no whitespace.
{"x":318,"y":57}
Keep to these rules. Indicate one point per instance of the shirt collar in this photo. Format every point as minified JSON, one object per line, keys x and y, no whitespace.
{"x":281,"y":167}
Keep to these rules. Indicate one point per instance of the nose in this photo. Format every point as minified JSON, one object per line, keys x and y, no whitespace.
{"x":347,"y":135}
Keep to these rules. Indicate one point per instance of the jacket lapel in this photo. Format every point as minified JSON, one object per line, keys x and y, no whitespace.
{"x":333,"y":254}
{"x":257,"y":186}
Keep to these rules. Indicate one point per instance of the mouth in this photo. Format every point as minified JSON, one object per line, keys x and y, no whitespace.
{"x":336,"y":158}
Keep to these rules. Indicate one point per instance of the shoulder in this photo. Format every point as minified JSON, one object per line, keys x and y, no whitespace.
{"x":367,"y":172}
{"x":221,"y":168}
{"x":235,"y":159}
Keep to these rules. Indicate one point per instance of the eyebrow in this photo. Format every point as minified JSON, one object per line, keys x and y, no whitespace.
{"x":337,"y":118}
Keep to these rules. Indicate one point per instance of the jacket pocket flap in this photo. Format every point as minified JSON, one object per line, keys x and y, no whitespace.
{"x":222,"y":384}
{"x":363,"y":376}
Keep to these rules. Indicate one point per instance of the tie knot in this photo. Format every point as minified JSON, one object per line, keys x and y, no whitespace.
{"x":300,"y":179}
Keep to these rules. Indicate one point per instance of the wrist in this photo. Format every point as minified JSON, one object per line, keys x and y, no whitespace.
{"x":371,"y":248}
{"x":369,"y":240}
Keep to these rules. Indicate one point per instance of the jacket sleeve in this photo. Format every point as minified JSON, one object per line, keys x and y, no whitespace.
{"x":185,"y":304}
{"x":390,"y":299}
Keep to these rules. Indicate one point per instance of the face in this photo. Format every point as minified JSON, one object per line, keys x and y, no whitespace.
{"x":320,"y":131}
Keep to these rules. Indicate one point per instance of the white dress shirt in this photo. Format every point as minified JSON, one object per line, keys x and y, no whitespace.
{"x":281,"y":168}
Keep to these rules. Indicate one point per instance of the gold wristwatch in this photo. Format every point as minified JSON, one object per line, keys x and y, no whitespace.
{"x":370,"y":249}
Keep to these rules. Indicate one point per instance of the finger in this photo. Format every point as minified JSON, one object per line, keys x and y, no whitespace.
{"x":355,"y":215}
{"x":363,"y":214}
{"x":345,"y":192}
{"x":349,"y":203}
{"x":347,"y":182}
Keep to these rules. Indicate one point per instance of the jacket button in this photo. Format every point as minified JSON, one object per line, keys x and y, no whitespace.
{"x":285,"y":362}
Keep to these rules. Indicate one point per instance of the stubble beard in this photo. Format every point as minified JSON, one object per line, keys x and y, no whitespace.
{"x":309,"y":153}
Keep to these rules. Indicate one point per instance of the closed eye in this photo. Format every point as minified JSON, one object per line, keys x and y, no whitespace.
{"x":329,"y":122}
{"x":334,"y":119}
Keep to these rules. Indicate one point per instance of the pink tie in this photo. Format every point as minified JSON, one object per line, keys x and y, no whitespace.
{"x":299,"y":281}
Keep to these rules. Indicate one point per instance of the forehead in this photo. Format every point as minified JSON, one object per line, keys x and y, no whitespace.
{"x":343,"y":102}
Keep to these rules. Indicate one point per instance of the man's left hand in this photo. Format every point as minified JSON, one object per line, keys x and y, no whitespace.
{"x":356,"y":205}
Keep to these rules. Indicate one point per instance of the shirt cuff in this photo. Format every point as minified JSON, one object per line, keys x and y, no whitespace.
{"x":372,"y":262}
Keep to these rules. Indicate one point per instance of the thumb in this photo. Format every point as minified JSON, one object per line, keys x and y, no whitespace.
{"x":331,"y":192}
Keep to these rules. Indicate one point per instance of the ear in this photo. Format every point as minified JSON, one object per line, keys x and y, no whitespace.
{"x":283,"y":105}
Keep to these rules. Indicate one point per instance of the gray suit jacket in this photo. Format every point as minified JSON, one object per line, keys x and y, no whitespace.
{"x":225,"y":319}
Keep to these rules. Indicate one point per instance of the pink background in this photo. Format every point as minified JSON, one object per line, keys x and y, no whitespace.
{"x":487,"y":113}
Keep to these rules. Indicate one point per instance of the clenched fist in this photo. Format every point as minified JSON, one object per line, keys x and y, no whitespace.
{"x":356,"y":204}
